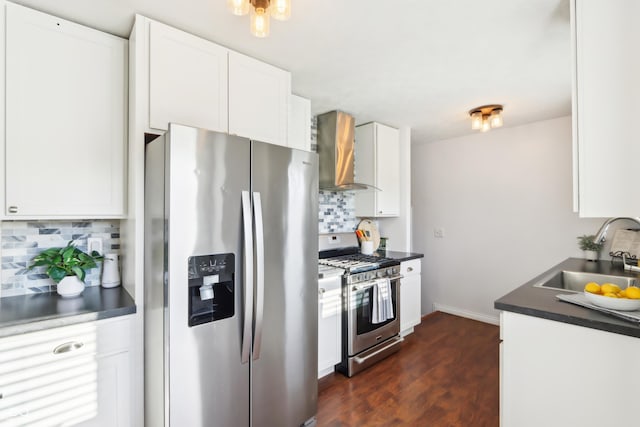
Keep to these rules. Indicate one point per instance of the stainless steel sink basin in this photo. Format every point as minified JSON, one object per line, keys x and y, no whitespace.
{"x":574,"y":281}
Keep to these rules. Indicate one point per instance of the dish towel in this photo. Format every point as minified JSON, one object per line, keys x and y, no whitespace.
{"x":382,"y":306}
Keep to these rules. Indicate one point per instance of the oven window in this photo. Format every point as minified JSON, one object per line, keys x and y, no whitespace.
{"x":364,"y":309}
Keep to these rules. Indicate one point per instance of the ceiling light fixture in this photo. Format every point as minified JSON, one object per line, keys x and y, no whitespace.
{"x":261,"y":10}
{"x":486,"y":117}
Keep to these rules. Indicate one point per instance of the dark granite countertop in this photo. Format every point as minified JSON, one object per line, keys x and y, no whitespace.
{"x":34,"y":312}
{"x":400,"y":256}
{"x":541,"y":302}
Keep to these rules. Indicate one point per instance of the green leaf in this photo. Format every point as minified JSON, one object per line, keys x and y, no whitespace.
{"x":67,"y":254}
{"x":56,"y":273}
{"x":78,"y":272}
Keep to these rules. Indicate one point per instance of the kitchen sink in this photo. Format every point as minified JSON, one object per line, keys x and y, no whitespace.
{"x":574,"y":281}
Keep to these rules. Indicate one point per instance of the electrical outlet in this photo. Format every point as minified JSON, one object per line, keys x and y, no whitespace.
{"x":438,"y":232}
{"x":94,"y":244}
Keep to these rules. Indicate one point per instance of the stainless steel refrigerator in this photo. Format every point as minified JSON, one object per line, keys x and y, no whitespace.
{"x":230,"y":282}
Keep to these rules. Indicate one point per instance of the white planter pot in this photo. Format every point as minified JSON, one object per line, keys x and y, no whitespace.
{"x":591,"y":255}
{"x":70,"y":287}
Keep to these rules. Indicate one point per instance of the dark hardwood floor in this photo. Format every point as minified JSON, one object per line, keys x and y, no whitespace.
{"x":446,"y":374}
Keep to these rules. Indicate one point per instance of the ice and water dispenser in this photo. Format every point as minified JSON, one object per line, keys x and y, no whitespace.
{"x":211,"y":288}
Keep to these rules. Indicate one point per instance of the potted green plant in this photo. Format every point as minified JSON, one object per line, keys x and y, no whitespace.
{"x":590,"y":247}
{"x":67,"y":267}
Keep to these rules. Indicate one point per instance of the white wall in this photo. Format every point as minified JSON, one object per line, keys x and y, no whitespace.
{"x":398,"y":230}
{"x":504,"y":200}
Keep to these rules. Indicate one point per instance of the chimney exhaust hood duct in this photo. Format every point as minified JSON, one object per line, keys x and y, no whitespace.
{"x":335,"y":148}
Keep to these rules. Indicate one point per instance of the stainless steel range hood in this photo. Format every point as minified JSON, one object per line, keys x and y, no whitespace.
{"x":336,"y":151}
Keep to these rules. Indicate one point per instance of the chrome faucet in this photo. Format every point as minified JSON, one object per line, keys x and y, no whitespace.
{"x":602,"y":233}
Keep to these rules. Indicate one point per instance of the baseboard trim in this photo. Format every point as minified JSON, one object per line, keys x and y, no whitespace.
{"x":465,"y":313}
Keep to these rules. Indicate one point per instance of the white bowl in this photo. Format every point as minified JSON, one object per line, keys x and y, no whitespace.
{"x":622,"y":304}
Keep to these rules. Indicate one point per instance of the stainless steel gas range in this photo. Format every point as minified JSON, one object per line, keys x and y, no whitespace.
{"x":370,"y":302}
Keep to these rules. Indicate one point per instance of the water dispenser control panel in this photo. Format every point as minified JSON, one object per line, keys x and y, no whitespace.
{"x":211,"y":288}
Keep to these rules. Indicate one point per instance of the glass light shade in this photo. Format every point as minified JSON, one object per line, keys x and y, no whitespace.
{"x":496,"y":118}
{"x":238,"y":7}
{"x":485,"y":124}
{"x":259,"y":22}
{"x":476,"y":120}
{"x":280,"y":9}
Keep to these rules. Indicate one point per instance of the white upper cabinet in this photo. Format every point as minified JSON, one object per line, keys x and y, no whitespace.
{"x":66,"y":114}
{"x":377,"y":162}
{"x":187,"y":80}
{"x":299,"y":123}
{"x":258,"y":99}
{"x":605,"y":107}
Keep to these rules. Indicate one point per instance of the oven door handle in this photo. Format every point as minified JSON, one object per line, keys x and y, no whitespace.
{"x":370,"y":285}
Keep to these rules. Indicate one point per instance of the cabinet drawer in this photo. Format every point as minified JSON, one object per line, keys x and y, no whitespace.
{"x":55,"y":374}
{"x":408,"y":268}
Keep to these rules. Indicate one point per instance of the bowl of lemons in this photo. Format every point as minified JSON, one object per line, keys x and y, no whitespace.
{"x":609,"y":295}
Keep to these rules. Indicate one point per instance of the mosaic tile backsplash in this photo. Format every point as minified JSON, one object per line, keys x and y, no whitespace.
{"x":22,"y":240}
{"x":337,"y":212}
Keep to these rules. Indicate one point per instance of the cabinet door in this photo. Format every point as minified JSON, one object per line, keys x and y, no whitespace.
{"x":329,"y":325}
{"x":66,"y":109}
{"x":73,"y":375}
{"x":410,"y":291}
{"x":299,"y":123}
{"x":387,"y":171}
{"x":113,"y":392}
{"x":550,"y":370}
{"x":187,"y":80}
{"x":606,"y":108}
{"x":377,"y":162}
{"x":329,"y":338}
{"x":258,"y":100}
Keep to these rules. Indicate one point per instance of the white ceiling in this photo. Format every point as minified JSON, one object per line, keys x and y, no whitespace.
{"x":417,"y":63}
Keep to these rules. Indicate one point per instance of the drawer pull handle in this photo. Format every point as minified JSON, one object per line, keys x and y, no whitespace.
{"x":409,"y":269}
{"x":67,"y":347}
{"x":13,"y":209}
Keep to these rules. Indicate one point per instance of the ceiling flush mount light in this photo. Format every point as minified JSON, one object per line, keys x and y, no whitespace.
{"x":486,"y":117}
{"x":261,"y":11}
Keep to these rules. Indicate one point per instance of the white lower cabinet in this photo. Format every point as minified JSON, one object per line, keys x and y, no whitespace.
{"x":329,"y":324}
{"x":410,"y":313}
{"x":74,"y":375}
{"x":557,"y":374}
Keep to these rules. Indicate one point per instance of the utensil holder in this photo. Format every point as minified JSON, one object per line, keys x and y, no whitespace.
{"x":366,"y":247}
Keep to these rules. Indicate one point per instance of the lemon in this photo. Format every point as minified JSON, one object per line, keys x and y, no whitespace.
{"x":623,"y":294}
{"x":611,"y":295}
{"x":592,"y":287}
{"x":633,"y":292}
{"x":607,"y":288}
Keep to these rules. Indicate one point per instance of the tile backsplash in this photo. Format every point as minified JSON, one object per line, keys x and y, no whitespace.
{"x":337,"y":212}
{"x":22,"y":240}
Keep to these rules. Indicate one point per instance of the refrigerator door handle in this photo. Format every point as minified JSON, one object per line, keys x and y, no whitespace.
{"x":247,"y":260}
{"x":259,"y":242}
